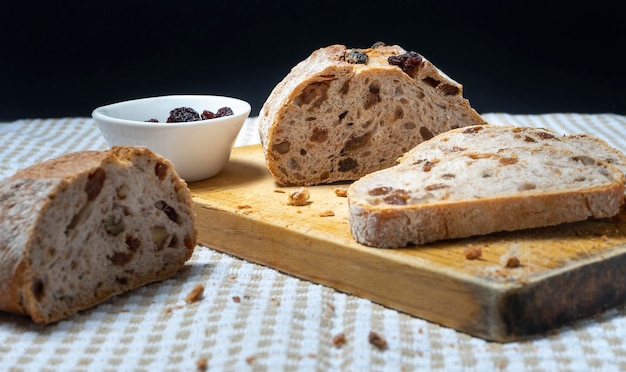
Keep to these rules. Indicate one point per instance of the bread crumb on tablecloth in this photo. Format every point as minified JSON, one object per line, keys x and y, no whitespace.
{"x":202,"y":364}
{"x":377,"y":340}
{"x":339,"y":340}
{"x":195,"y":294}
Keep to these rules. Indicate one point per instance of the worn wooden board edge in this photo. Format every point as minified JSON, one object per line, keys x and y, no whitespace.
{"x":487,"y":309}
{"x":572,"y":294}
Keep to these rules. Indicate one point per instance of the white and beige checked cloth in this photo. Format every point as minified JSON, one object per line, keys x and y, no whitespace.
{"x":253,"y":318}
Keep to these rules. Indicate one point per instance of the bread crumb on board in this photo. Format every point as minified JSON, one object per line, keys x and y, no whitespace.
{"x":472,"y":252}
{"x":341,"y":192}
{"x":195,"y":295}
{"x":299,"y":197}
{"x":377,"y":340}
{"x":327,"y":214}
{"x":510,"y":260}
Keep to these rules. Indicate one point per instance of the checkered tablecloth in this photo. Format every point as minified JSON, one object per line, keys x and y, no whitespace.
{"x":255,"y":318}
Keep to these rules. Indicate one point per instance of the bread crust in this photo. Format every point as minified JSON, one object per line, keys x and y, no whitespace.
{"x":331,"y":120}
{"x":387,"y":228}
{"x":76,"y":230}
{"x":477,"y":191}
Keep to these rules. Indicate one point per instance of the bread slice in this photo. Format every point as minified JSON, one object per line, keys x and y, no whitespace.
{"x":481,"y":192}
{"x":86,"y":226}
{"x":494,"y":137}
{"x":481,"y":138}
{"x":343,"y":113}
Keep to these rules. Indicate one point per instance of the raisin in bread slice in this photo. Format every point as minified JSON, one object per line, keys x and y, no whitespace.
{"x":494,"y":137}
{"x":342,"y":113}
{"x":477,"y":193}
{"x":86,"y":226}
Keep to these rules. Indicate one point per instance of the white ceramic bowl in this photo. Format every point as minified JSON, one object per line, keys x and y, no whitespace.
{"x":198,"y":149}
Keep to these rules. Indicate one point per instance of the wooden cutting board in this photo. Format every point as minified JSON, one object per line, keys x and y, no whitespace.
{"x":565,"y":273}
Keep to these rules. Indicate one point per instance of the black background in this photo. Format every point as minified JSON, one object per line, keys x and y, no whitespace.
{"x":523,"y":57}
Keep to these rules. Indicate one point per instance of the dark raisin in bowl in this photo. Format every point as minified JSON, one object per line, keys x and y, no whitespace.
{"x":183,"y":115}
{"x":187,"y":114}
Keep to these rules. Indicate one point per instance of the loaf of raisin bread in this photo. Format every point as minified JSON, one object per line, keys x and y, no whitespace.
{"x":343,"y":113}
{"x":86,"y":226}
{"x":477,"y":192}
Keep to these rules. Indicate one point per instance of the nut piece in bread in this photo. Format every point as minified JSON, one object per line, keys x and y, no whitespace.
{"x":478,"y":190}
{"x":86,"y":226}
{"x":343,"y":113}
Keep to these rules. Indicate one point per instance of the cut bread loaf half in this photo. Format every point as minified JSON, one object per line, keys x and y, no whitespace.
{"x":86,"y":226}
{"x":343,"y":113}
{"x":481,"y":192}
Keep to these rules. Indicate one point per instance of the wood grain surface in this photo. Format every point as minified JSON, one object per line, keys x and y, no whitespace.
{"x":564,"y":273}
